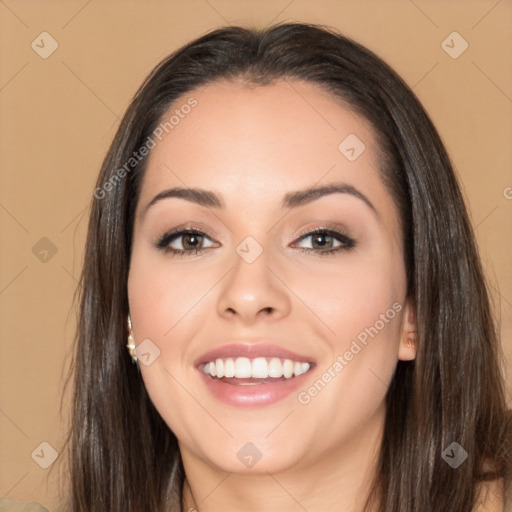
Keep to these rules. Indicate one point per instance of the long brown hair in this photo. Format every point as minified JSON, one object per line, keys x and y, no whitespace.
{"x":123,"y":457}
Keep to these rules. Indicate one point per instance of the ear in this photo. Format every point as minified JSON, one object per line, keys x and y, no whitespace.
{"x":408,"y":347}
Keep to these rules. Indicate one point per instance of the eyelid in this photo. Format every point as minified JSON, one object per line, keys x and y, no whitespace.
{"x":345,"y":241}
{"x":339,"y":230}
{"x":188,"y":227}
{"x":163,"y":241}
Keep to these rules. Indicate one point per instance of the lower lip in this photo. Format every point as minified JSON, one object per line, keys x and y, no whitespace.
{"x":252,"y":395}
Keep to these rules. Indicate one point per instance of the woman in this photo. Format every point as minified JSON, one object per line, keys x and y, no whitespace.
{"x":278,"y":237}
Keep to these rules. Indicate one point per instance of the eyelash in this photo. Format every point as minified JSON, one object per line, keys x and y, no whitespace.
{"x":348,"y":243}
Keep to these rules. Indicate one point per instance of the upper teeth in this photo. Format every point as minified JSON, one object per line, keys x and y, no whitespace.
{"x":258,"y":368}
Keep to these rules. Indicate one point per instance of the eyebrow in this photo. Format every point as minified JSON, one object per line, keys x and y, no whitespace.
{"x":210,"y":199}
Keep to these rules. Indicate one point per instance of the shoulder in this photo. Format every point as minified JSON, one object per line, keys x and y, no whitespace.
{"x":9,"y":505}
{"x":490,"y":496}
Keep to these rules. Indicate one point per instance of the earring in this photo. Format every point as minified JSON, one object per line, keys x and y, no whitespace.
{"x":131,"y":342}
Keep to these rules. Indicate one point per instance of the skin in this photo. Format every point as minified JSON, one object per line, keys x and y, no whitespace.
{"x":252,"y":146}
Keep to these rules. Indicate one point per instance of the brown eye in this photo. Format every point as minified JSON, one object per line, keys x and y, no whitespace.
{"x":191,"y":240}
{"x":322,"y":241}
{"x":325,"y":241}
{"x":185,"y":241}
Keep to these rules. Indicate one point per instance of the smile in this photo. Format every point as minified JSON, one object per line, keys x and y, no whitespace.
{"x":255,"y":369}
{"x":253,"y":382}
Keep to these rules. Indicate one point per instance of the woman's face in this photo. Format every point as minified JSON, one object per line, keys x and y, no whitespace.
{"x":256,"y":291}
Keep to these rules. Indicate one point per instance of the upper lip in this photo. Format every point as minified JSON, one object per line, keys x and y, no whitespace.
{"x":251,"y":350}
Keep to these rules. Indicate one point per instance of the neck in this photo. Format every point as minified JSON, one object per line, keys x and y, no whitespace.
{"x":338,"y":480}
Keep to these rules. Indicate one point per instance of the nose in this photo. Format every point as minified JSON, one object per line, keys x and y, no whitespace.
{"x":252,"y":291}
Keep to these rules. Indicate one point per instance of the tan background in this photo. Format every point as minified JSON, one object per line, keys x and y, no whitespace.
{"x":58,"y":116}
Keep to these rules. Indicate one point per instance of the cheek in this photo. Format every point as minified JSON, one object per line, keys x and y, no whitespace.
{"x":363,"y":307}
{"x":164,"y":308}
{"x":352,"y":294}
{"x":162,"y":298}
{"x":360,"y":306}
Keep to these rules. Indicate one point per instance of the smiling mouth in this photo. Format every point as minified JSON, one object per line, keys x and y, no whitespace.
{"x":249,"y":372}
{"x":249,"y":382}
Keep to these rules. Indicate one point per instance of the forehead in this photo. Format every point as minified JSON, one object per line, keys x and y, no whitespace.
{"x":254,"y":144}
